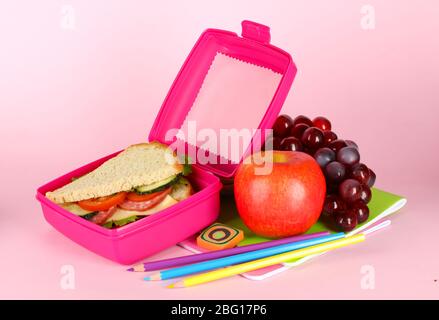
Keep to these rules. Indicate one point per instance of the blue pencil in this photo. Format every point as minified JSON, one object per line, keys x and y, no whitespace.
{"x":240,"y":258}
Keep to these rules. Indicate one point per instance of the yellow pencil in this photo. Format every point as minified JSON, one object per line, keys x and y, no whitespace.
{"x":265,"y":262}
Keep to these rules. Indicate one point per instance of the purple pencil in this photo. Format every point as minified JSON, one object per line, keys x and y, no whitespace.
{"x":179,"y":261}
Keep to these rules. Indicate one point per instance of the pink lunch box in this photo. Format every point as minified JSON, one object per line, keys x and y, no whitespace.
{"x":140,"y":239}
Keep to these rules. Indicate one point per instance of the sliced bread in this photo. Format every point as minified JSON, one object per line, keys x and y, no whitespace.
{"x":137,"y":165}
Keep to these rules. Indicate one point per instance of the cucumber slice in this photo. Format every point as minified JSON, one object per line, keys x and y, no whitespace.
{"x":157,"y":186}
{"x":75,"y":209}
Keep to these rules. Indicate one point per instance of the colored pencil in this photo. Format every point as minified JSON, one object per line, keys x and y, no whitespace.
{"x":265,"y":262}
{"x":240,"y":258}
{"x":179,"y":261}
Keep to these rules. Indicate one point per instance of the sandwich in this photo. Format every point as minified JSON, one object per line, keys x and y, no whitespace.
{"x":140,"y":181}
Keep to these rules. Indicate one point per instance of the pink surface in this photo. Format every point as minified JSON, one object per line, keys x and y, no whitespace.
{"x":81,"y":94}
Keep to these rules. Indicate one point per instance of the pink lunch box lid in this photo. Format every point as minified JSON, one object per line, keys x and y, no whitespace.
{"x":254,"y":47}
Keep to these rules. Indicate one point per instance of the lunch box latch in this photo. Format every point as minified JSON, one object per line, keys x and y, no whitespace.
{"x":255,"y":31}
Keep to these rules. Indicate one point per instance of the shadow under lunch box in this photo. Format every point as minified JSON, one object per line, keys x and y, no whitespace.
{"x":137,"y":240}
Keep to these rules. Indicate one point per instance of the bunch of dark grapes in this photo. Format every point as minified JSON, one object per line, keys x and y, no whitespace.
{"x":348,"y":182}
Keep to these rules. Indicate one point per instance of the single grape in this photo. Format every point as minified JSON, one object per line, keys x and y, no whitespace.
{"x":298,"y":130}
{"x":360,"y":172}
{"x":328,"y":137}
{"x":335,"y":171}
{"x":272,"y":143}
{"x":365,"y":194}
{"x":324,"y":156}
{"x":361,"y":210}
{"x":291,"y":144}
{"x":372,"y":178}
{"x":348,"y":156}
{"x":282,"y":125}
{"x":350,"y":190}
{"x":302,"y":119}
{"x":337,"y":145}
{"x":322,"y":123}
{"x":333,"y":204}
{"x":346,"y":221}
{"x":351,"y":143}
{"x":312,"y":138}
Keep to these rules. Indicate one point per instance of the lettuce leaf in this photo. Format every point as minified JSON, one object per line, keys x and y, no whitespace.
{"x":120,"y":223}
{"x":187,"y":167}
{"x":108,"y":225}
{"x":125,"y":221}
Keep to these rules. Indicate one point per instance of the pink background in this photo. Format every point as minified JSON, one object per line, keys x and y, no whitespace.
{"x":68,"y":97}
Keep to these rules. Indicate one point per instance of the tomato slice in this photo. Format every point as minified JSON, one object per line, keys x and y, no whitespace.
{"x":102,"y":203}
{"x":144,"y":205}
{"x":133,"y":196}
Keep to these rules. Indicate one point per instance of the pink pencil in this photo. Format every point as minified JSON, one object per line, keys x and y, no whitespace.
{"x":173,"y":262}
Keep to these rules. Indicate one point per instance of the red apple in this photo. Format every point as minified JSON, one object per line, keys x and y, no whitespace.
{"x":284,"y":201}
